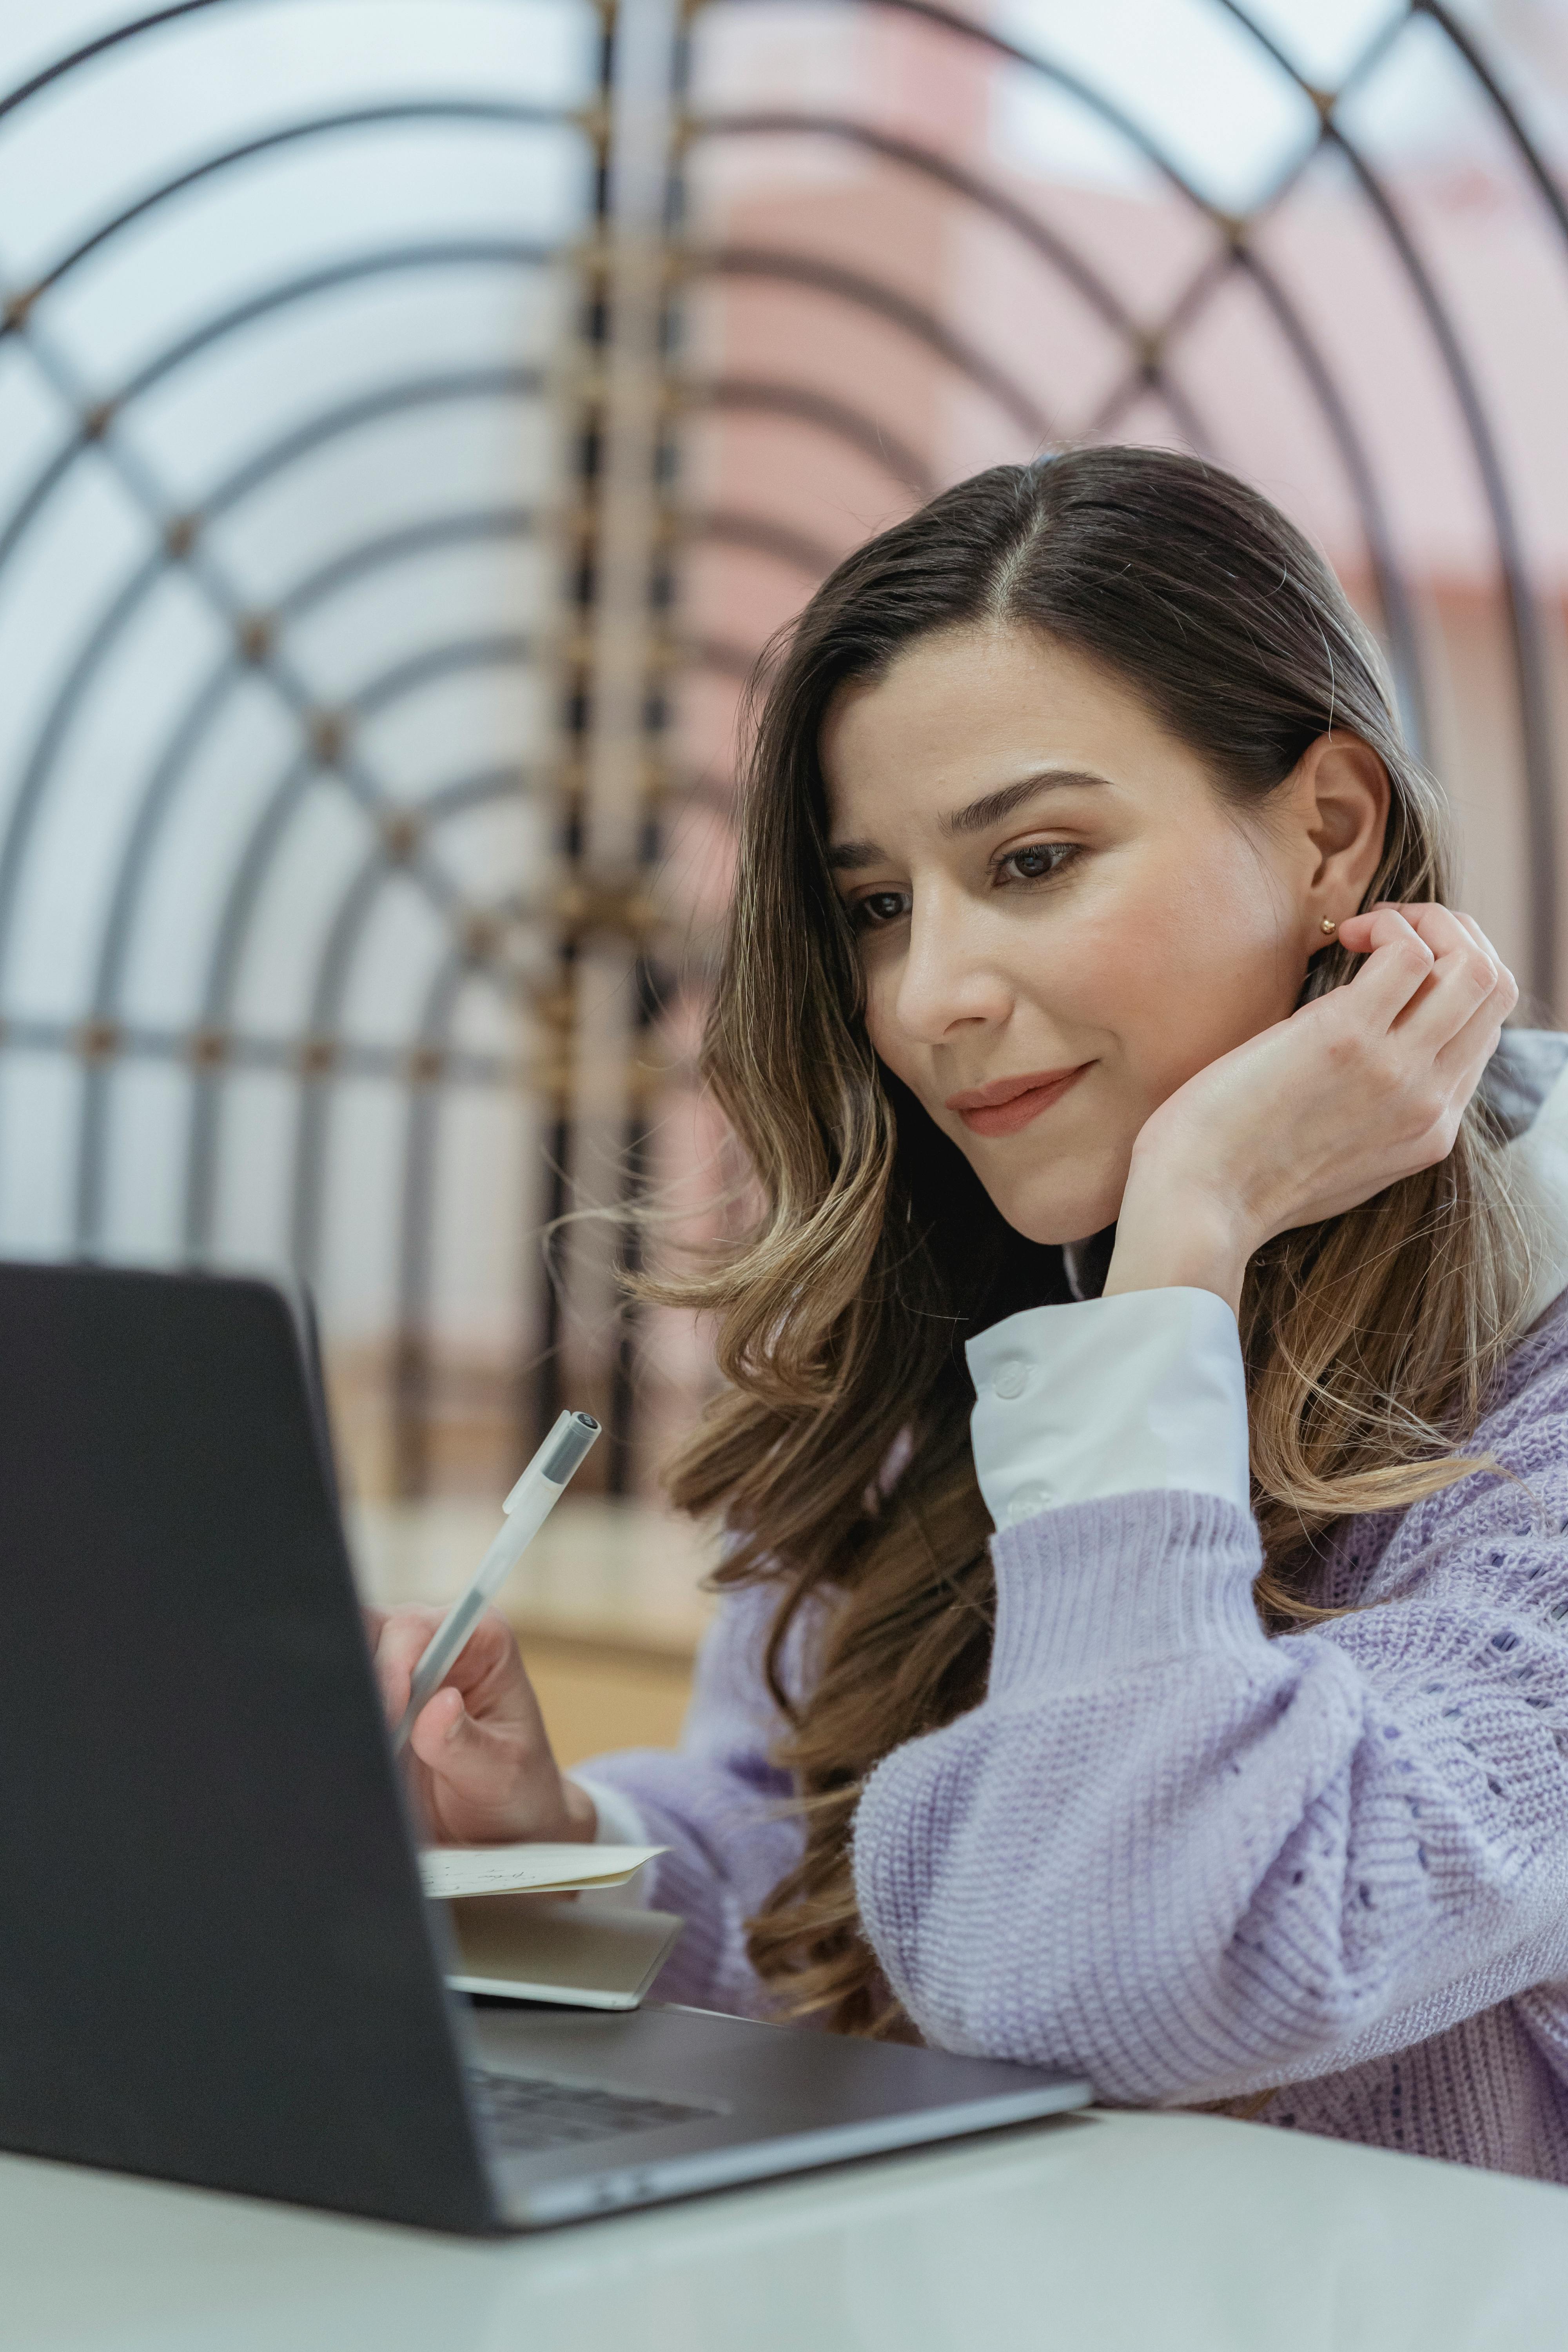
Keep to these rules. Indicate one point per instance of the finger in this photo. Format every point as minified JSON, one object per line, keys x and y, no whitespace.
{"x":1398,"y":964}
{"x":488,"y":1671}
{"x":470,"y":1761}
{"x":1462,"y":1062}
{"x":1478,"y":936}
{"x":436,"y":1722}
{"x":1464,"y":970}
{"x":1447,"y":931}
{"x":1444,"y":929}
{"x":1507,"y":990}
{"x":1441,"y":927}
{"x":1466,"y":977}
{"x":403,"y":1639}
{"x":1508,"y":981}
{"x":1374,"y":928}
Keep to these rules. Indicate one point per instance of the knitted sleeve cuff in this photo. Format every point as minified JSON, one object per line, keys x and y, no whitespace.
{"x":1121,"y":1582}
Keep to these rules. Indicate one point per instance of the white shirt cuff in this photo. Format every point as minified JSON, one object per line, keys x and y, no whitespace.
{"x":1109,"y":1396}
{"x":619,"y":1820}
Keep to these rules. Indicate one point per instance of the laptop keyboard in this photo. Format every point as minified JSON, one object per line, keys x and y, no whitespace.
{"x":527,"y":2113}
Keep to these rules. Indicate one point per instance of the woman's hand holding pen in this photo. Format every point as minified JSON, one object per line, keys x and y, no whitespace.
{"x":480,"y":1763}
{"x":1317,"y":1113}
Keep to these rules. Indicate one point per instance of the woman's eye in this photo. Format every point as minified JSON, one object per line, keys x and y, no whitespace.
{"x":878,"y":907}
{"x":1037,"y":860}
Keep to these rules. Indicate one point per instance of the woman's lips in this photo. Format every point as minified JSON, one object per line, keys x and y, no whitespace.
{"x":1008,"y":1104}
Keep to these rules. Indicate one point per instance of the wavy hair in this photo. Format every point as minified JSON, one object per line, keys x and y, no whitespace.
{"x":1371,"y":1340}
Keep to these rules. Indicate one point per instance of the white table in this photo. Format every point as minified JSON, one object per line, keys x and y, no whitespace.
{"x":1105,"y":2233}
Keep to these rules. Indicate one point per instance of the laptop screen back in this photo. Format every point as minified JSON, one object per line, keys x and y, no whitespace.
{"x":215,"y":1963}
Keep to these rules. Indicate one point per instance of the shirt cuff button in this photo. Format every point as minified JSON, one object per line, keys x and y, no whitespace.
{"x":1027,"y":1502}
{"x":1010,"y":1379}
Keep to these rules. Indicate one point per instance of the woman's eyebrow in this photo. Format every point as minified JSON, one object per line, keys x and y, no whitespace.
{"x":993,"y":807}
{"x":848,"y":857}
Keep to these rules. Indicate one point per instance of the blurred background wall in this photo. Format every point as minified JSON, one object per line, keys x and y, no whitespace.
{"x":414,"y":416}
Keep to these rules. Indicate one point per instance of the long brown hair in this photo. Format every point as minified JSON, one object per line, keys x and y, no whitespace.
{"x":1371,"y":1340}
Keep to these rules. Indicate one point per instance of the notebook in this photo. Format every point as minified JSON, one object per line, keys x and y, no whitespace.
{"x":450,"y":1871}
{"x":517,"y":1933}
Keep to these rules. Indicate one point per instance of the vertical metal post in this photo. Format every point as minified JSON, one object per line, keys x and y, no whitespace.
{"x":539,"y":1387}
{"x":615,"y":705}
{"x":646,"y":48}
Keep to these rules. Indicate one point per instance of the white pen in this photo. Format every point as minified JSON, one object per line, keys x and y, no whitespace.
{"x":526,"y":1508}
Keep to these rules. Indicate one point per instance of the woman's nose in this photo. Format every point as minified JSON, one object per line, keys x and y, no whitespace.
{"x":947,"y":978}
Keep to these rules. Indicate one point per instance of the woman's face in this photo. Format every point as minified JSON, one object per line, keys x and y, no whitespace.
{"x":1059,"y":919}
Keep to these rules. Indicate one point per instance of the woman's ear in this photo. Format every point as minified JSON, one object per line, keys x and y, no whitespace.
{"x":1341,"y":800}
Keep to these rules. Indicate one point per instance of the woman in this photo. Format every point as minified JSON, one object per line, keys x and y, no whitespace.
{"x":1109,"y":1061}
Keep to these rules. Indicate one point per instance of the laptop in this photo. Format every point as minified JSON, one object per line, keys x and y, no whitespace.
{"x":217,"y":1963}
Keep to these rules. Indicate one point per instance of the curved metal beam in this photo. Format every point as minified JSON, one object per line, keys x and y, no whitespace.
{"x":747,"y":395}
{"x":1529,"y":662}
{"x":22,"y":814}
{"x":1392,"y":594}
{"x":464,"y":252}
{"x":885,"y":302}
{"x":1546,"y":187}
{"x":71,"y":696}
{"x":86,"y":53}
{"x":1388,"y":577}
{"x":339,"y":571}
{"x":355,"y":907}
{"x":48,"y":75}
{"x":489,"y":110}
{"x":62,"y":375}
{"x":761,"y":536}
{"x":232,"y":932}
{"x":1396,"y":612}
{"x":190,"y":731}
{"x":965,"y":29}
{"x":1041,"y":239}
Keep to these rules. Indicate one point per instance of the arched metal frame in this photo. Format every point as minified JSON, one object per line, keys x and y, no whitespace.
{"x":1153,"y":350}
{"x":1152,"y":370}
{"x":402,"y":838}
{"x":525,"y":943}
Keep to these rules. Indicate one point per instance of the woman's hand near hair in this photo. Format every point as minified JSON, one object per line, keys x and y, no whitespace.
{"x":1316,"y":1114}
{"x":481,"y":1770}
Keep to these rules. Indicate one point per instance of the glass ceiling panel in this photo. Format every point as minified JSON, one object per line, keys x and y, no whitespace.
{"x":1194,"y":79}
{"x":1324,"y":38}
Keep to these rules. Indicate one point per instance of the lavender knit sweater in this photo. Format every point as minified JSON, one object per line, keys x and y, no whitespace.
{"x":1191,"y":1862}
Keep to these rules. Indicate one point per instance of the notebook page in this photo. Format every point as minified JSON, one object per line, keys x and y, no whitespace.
{"x":452,"y":1871}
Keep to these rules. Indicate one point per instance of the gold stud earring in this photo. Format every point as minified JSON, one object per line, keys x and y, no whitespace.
{"x":1329,"y":928}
